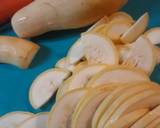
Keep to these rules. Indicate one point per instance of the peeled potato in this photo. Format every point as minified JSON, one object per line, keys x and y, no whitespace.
{"x":61,"y":14}
{"x":60,"y":116}
{"x":99,"y":49}
{"x":116,"y":75}
{"x":45,"y":85}
{"x":148,"y":118}
{"x":136,"y":30}
{"x":13,"y":119}
{"x":16,"y":51}
{"x":153,"y":35}
{"x":129,"y":119}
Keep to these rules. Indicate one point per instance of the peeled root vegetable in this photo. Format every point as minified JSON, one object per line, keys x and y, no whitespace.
{"x":47,"y":15}
{"x":9,"y":7}
{"x":16,"y":51}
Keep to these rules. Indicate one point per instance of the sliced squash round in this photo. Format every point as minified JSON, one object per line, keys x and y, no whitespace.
{"x":142,"y":54}
{"x":147,"y":99}
{"x":154,"y":123}
{"x":64,"y":64}
{"x":136,"y":29}
{"x":76,"y":52}
{"x":153,"y":35}
{"x":45,"y":85}
{"x":14,"y":119}
{"x":116,"y":28}
{"x":125,"y":94}
{"x":129,"y":119}
{"x":121,"y":16}
{"x":148,"y":118}
{"x":60,"y":116}
{"x":38,"y":121}
{"x":99,"y":49}
{"x":81,"y":77}
{"x":116,"y":75}
{"x":82,"y":117}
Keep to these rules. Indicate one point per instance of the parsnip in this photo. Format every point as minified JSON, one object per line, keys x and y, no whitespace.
{"x":46,"y":15}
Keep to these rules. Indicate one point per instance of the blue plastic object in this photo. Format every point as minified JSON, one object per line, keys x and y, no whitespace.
{"x":15,"y":83}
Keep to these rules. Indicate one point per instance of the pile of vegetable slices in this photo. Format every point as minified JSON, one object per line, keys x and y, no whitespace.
{"x":103,"y":82}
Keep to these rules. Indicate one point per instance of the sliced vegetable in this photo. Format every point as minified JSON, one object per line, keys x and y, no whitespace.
{"x":13,"y":119}
{"x":76,"y":52}
{"x":136,"y":30}
{"x":148,"y":118}
{"x":99,"y":49}
{"x":121,"y":16}
{"x":153,"y":35}
{"x":116,"y":28}
{"x":63,"y":88}
{"x":105,"y":104}
{"x":60,"y":116}
{"x":64,"y":64}
{"x":142,"y":54}
{"x":147,"y":99}
{"x":115,"y":104}
{"x":38,"y":121}
{"x":154,"y":123}
{"x":129,"y":119}
{"x":81,"y":77}
{"x":116,"y":75}
{"x":45,"y":85}
{"x":84,"y":113}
